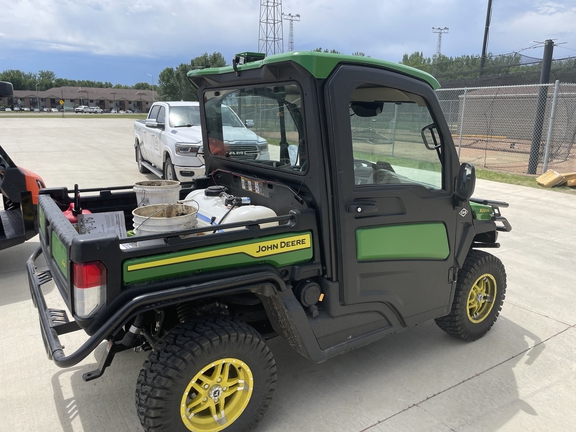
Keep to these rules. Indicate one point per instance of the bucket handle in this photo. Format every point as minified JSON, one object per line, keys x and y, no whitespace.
{"x":169,"y":211}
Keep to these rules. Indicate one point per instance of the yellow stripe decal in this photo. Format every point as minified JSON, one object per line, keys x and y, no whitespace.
{"x":256,"y":250}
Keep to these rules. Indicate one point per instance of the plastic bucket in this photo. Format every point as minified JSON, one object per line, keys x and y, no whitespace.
{"x":162,"y":218}
{"x":157,"y":192}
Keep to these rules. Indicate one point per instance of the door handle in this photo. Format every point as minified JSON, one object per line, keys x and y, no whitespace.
{"x":362,"y":207}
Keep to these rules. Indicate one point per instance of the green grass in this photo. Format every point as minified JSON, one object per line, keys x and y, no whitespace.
{"x":518,"y":179}
{"x":69,"y":115}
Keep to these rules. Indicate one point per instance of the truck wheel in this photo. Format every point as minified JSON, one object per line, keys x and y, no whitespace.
{"x":169,"y":173}
{"x":480,"y":292}
{"x":206,"y":375}
{"x":141,"y":168}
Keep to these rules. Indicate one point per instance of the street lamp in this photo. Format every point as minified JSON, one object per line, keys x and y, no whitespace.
{"x":37,"y":100}
{"x":152,"y":85}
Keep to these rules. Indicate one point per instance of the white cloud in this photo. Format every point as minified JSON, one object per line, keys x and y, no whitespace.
{"x":189,"y":28}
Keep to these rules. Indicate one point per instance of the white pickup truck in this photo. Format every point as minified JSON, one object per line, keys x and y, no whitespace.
{"x":169,"y":142}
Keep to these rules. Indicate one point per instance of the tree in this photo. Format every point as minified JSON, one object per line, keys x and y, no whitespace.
{"x":173,"y":84}
{"x":168,"y":88}
{"x":326,"y":51}
{"x":141,"y":86}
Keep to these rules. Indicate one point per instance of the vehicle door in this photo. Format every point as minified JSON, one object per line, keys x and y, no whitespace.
{"x":153,"y":139}
{"x":395,"y":216}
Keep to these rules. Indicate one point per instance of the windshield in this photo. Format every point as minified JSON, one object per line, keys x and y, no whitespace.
{"x":182,"y":116}
{"x":257,"y":124}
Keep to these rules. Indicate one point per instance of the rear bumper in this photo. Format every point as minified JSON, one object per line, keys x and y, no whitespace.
{"x":54,"y":323}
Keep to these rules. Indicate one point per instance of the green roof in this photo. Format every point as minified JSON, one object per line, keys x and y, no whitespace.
{"x":320,"y":65}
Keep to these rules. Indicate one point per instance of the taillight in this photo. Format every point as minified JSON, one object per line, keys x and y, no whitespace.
{"x":89,"y":288}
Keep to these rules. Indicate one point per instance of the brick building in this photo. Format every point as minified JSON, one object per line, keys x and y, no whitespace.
{"x":105,"y":98}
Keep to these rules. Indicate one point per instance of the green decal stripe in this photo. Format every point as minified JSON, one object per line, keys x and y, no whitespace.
{"x":59,"y":254}
{"x":278,"y":251}
{"x":410,"y":241}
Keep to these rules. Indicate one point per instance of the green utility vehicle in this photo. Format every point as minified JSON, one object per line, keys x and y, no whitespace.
{"x":359,"y":225}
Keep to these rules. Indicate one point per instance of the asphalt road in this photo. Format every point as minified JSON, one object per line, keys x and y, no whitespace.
{"x":519,"y":377}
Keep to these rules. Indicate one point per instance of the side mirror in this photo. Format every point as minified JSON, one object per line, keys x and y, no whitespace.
{"x":465,"y":182}
{"x":154,"y":124}
{"x":249,"y":123}
{"x":6,"y":89}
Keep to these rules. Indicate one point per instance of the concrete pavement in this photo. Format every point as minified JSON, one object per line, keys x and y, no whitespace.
{"x":519,"y":377}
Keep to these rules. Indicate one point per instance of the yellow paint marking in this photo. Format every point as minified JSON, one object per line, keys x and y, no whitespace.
{"x":256,"y":250}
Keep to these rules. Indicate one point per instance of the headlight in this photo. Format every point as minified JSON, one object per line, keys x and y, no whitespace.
{"x":184,"y":149}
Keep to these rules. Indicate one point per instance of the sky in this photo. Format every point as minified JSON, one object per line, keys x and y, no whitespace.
{"x":131,"y":41}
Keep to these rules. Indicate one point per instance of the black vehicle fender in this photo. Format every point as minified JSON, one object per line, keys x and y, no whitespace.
{"x":285,"y":313}
{"x":469,"y":233}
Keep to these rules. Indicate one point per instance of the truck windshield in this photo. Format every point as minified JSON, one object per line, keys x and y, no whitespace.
{"x":257,"y":124}
{"x":184,"y":116}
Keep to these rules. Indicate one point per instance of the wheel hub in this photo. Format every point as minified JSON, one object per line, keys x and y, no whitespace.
{"x":481,"y":298}
{"x":217,"y":395}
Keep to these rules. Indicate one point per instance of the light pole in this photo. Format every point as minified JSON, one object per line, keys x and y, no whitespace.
{"x":37,"y":100}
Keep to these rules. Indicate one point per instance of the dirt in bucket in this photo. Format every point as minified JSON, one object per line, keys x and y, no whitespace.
{"x":165,"y":211}
{"x":157,"y":183}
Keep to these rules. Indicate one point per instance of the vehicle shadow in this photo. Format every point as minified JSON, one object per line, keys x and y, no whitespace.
{"x":351,"y":392}
{"x":369,"y":386}
{"x":14,"y":286}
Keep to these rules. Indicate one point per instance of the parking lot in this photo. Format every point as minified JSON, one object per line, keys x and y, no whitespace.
{"x":520,"y":377}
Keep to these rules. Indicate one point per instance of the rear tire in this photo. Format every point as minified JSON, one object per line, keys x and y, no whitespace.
{"x":169,"y":172}
{"x":206,"y":375}
{"x":141,"y":168}
{"x":480,"y":292}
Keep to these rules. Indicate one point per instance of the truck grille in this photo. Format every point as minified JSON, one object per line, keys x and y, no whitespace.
{"x":243,"y":151}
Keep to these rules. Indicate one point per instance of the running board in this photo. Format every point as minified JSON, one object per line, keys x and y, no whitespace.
{"x":152,"y":168}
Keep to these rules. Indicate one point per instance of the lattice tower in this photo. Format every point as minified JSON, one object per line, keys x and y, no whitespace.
{"x":270,"y":34}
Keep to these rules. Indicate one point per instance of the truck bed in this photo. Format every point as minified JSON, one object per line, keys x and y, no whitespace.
{"x":133,"y":269}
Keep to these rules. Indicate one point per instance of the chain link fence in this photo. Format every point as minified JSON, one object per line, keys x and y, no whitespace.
{"x":517,"y":129}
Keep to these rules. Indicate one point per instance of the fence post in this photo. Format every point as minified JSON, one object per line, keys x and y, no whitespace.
{"x":550,"y":126}
{"x":462,"y":122}
{"x":541,"y":106}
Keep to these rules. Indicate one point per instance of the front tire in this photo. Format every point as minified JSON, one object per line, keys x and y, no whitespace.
{"x":169,"y":172}
{"x":480,"y":292}
{"x":208,"y":374}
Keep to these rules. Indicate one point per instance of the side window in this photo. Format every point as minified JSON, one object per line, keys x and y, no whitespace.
{"x":394,"y":139}
{"x":161,"y":115}
{"x":154,"y":113}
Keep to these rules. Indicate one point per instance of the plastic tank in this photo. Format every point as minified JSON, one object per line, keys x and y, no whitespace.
{"x":213,"y":209}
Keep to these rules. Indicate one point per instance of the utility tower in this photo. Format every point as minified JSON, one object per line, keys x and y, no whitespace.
{"x":270,"y":33}
{"x":291,"y":18}
{"x":439,"y":30}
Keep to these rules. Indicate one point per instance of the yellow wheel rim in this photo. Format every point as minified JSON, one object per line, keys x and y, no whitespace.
{"x":217,"y":395}
{"x":481,"y":298}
